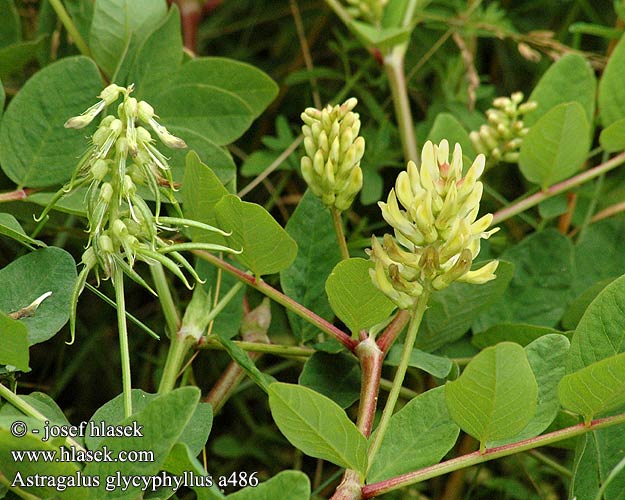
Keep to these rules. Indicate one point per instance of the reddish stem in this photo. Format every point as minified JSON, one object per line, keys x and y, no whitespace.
{"x":385,"y":341}
{"x":18,"y":194}
{"x":280,"y":298}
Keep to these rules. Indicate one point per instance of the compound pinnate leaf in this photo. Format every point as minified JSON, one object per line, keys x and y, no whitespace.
{"x":597,"y":388}
{"x":420,"y":434}
{"x":556,"y":146}
{"x":353,"y":296}
{"x":317,"y":425}
{"x":495,"y":397}
{"x":267,"y":247}
{"x":35,"y":149}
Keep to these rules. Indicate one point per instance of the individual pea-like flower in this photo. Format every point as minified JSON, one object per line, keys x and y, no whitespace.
{"x":433,"y":211}
{"x":122,"y":226}
{"x":501,"y":138}
{"x":371,"y":11}
{"x":331,"y":166}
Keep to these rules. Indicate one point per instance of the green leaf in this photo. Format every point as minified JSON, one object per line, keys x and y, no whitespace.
{"x":194,"y":435}
{"x":336,"y":376}
{"x":42,"y":403}
{"x":11,"y":468}
{"x":13,"y":343}
{"x":546,"y":356}
{"x":317,"y":426}
{"x":574,"y":313}
{"x":35,"y":149}
{"x":556,"y":145}
{"x":540,"y":288}
{"x":611,"y":98}
{"x":420,"y":434}
{"x":243,"y":359}
{"x":10,"y":23}
{"x":570,"y":78}
{"x":521,"y":334}
{"x":14,"y":57}
{"x":596,"y":454}
{"x":81,"y":13}
{"x":601,"y":331}
{"x":451,"y":312}
{"x":381,"y":38}
{"x":353,"y":296}
{"x":28,"y":278}
{"x":158,"y":58}
{"x":163,"y":420}
{"x":267,"y":247}
{"x":438,"y":366}
{"x":2,"y":99}
{"x":318,"y":252}
{"x":11,"y":228}
{"x":201,"y":191}
{"x":612,"y":138}
{"x":116,"y":22}
{"x":286,"y":485}
{"x":495,"y":397}
{"x":597,"y":388}
{"x":447,"y":126}
{"x":605,"y":238}
{"x":243,"y":80}
{"x":180,"y":461}
{"x":216,"y":98}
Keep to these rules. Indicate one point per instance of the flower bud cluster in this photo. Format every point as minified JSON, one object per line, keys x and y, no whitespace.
{"x":371,"y":11}
{"x":122,"y":226}
{"x":501,"y":138}
{"x":331,"y":166}
{"x":437,"y":234}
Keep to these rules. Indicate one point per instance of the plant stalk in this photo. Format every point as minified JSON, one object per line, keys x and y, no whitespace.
{"x":535,"y":199}
{"x":280,"y":298}
{"x":178,"y":349}
{"x":394,"y":68}
{"x":340,"y":234}
{"x":170,"y":311}
{"x":123,"y":340}
{"x":411,"y":336}
{"x":374,"y":489}
{"x":69,"y":25}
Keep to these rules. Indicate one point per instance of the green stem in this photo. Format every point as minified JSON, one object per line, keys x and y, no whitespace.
{"x":123,"y":340}
{"x":394,"y":68}
{"x":213,"y":342}
{"x":29,"y":410}
{"x":178,"y":349}
{"x":535,"y":199}
{"x":224,"y":301}
{"x":281,"y":299}
{"x":340,"y":234}
{"x":475,"y":458}
{"x":170,"y":311}
{"x":16,"y":489}
{"x":560,"y":469}
{"x":411,"y":335}
{"x":73,"y":32}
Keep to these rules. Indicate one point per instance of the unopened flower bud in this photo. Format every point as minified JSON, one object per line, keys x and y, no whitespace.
{"x":331,"y":167}
{"x":110,"y":94}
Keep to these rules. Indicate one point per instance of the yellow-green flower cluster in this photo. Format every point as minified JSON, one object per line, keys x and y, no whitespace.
{"x":501,"y":138}
{"x":371,"y":11}
{"x":331,"y":166}
{"x":122,"y":226}
{"x":437,"y":234}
